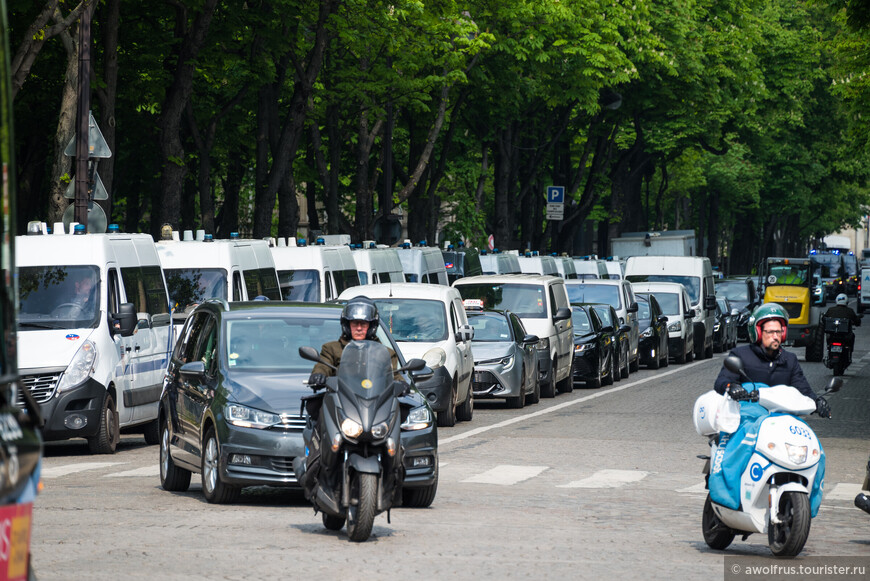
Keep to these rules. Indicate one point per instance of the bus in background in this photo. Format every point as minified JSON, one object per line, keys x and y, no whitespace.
{"x":21,"y":444}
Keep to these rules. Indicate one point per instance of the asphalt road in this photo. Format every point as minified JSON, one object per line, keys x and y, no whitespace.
{"x":592,"y":484}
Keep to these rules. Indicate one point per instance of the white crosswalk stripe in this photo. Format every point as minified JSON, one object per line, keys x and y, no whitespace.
{"x":144,"y":471}
{"x":842,"y":491}
{"x":506,"y":475}
{"x":608,"y":479}
{"x":67,"y":469}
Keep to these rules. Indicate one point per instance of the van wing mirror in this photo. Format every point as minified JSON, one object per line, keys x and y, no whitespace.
{"x":125,"y":320}
{"x":632,"y":308}
{"x":710,"y":302}
{"x":690,"y":314}
{"x":562,"y":314}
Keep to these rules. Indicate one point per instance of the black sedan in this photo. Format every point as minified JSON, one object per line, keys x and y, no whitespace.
{"x":653,"y":345}
{"x":230,"y":408}
{"x":593,"y":348}
{"x":621,"y":339}
{"x":742,"y":294}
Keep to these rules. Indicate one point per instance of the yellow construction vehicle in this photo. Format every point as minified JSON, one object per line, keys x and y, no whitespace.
{"x":794,"y":283}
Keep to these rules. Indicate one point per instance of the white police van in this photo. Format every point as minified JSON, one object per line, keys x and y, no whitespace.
{"x":233,"y":270}
{"x":377,"y":265}
{"x":423,"y":264}
{"x":317,"y":273}
{"x":93,"y":333}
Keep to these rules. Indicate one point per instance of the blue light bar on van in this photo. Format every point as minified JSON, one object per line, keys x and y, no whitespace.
{"x":234,"y":235}
{"x":320,"y":242}
{"x":208,"y":238}
{"x":113,"y":229}
{"x":301,"y":242}
{"x":80,"y":229}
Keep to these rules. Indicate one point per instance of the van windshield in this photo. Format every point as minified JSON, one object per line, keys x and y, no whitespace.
{"x":300,"y":285}
{"x":191,"y":286}
{"x":669,"y":302}
{"x":525,"y":300}
{"x":58,"y":297}
{"x":692,"y":283}
{"x":607,"y":294}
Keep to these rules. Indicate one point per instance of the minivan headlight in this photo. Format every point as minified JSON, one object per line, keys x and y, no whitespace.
{"x":80,"y":368}
{"x":245,"y":417}
{"x":648,"y":332}
{"x":418,"y":418}
{"x":675,"y":326}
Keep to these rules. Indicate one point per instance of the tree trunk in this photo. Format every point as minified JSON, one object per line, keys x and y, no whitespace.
{"x":62,"y":165}
{"x":107,"y":97}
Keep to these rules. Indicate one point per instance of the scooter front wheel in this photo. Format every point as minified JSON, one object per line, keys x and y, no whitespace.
{"x":716,"y":534}
{"x":787,"y":538}
{"x":363,"y":500}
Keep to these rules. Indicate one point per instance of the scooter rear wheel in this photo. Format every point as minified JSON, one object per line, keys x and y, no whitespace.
{"x":716,"y":534}
{"x":787,"y":538}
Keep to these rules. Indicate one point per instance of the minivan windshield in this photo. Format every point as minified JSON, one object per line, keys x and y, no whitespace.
{"x":669,"y":302}
{"x":58,"y":297}
{"x":414,"y":320}
{"x":607,"y":294}
{"x":191,"y":286}
{"x":524,"y":300}
{"x":692,"y":283}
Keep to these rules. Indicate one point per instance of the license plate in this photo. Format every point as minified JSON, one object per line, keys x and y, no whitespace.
{"x":15,"y":522}
{"x":836,"y":348}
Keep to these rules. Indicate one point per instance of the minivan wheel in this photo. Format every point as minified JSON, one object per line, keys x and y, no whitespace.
{"x":447,"y":418}
{"x":172,"y":477}
{"x":213,"y":488}
{"x":465,"y":412}
{"x":549,"y":388}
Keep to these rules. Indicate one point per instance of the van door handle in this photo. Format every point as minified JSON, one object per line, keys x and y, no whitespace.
{"x":137,"y":348}
{"x":127,"y":349}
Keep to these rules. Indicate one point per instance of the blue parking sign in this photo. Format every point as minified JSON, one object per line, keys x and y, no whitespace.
{"x":555,"y":194}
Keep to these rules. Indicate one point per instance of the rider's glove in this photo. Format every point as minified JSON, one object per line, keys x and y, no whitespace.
{"x":822,"y":408}
{"x":316,"y":381}
{"x":737,"y":393}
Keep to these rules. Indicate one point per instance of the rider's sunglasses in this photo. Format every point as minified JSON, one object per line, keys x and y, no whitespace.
{"x":772,"y":331}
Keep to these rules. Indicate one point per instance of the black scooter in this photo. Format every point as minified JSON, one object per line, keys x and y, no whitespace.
{"x":838,"y":337}
{"x":353,"y":465}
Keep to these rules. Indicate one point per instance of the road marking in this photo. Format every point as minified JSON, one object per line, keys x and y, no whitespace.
{"x":700,"y":488}
{"x":505,"y":475}
{"x":608,"y":479}
{"x":558,"y":407}
{"x":144,"y":471}
{"x":57,"y":471}
{"x":843,"y":491}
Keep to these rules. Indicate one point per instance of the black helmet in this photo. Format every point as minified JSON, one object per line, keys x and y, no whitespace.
{"x":359,"y":309}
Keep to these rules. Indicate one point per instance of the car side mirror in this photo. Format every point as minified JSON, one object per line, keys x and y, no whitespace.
{"x":125,"y":320}
{"x":710,"y":302}
{"x":562,"y":314}
{"x":735,"y":312}
{"x":662,"y":319}
{"x":533,"y":339}
{"x":625,"y":329}
{"x":632,"y":308}
{"x":607,"y":329}
{"x":690,"y":314}
{"x":193,"y":369}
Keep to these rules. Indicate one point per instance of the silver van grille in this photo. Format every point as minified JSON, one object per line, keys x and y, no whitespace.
{"x":41,"y":387}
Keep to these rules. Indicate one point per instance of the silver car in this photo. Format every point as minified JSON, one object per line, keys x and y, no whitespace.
{"x":505,"y":358}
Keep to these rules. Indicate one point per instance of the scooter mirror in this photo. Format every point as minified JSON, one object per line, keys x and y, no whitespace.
{"x":309,"y":353}
{"x":734,"y":364}
{"x":835,"y":385}
{"x":415,"y":365}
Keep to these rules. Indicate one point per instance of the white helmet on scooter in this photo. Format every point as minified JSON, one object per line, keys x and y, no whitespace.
{"x":842,"y":299}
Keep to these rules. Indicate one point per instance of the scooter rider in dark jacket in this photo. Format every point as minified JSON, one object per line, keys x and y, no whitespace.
{"x":842,"y":311}
{"x":765,"y":361}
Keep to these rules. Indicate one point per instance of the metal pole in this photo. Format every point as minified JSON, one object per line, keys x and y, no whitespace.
{"x":82,"y":117}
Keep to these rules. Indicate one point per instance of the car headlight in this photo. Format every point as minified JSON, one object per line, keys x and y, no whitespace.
{"x":350,"y":428}
{"x":435,"y":357}
{"x":418,"y":418}
{"x":675,"y":326}
{"x":797,"y":454}
{"x":582,"y":347}
{"x":245,"y":417}
{"x":380,"y":431}
{"x":717,"y":326}
{"x":80,"y":368}
{"x":504,"y":361}
{"x":544,"y":343}
{"x":647,"y":333}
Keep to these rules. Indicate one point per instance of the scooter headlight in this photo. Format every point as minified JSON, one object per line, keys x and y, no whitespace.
{"x":380,"y":430}
{"x":350,"y":428}
{"x":796,"y":454}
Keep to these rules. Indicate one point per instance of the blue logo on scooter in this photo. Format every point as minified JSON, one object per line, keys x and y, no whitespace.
{"x":756,"y":472}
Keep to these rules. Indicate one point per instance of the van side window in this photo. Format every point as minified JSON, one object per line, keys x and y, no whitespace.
{"x":252,"y":283}
{"x":237,"y":286}
{"x":454,"y":321}
{"x":364,"y":277}
{"x":327,"y":282}
{"x":269,"y":284}
{"x":114,"y":290}
{"x":557,"y":299}
{"x":145,"y":288}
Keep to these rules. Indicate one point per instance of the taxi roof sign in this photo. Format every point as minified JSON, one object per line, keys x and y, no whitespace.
{"x":473,"y":304}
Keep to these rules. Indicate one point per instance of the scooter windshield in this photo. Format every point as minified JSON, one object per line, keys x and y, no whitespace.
{"x":366,"y":369}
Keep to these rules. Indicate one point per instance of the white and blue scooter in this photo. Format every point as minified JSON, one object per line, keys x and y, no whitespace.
{"x":773,"y":480}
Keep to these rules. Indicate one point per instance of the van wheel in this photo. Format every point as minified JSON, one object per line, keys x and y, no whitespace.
{"x":549,"y":388}
{"x":109,"y":434}
{"x":708,"y":352}
{"x":447,"y":418}
{"x":465,"y":412}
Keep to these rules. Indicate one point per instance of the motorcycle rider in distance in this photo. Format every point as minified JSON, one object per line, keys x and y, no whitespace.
{"x":765,"y":361}
{"x":842,"y":311}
